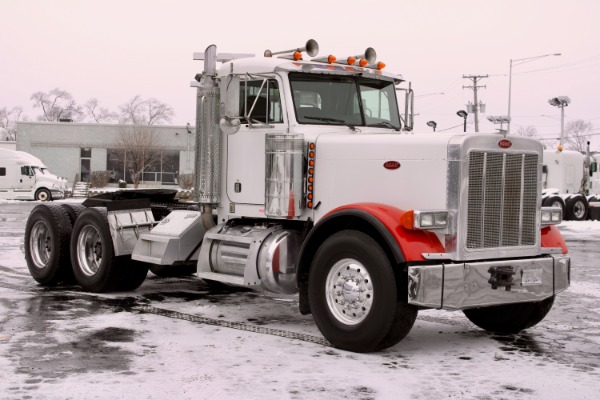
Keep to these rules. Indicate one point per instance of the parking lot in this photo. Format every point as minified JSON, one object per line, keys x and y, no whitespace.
{"x":180,"y":338}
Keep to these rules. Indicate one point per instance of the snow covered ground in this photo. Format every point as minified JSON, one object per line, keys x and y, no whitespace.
{"x":181,"y":339}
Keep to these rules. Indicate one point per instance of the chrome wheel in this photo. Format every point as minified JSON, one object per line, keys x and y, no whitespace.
{"x":42,"y":195}
{"x":579,"y":209}
{"x":349,"y":291}
{"x":40,"y":245}
{"x":89,"y":250}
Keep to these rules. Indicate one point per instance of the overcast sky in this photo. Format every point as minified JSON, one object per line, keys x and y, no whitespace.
{"x":115,"y":49}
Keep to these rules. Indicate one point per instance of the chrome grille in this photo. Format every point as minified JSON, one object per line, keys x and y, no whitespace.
{"x":502,"y":200}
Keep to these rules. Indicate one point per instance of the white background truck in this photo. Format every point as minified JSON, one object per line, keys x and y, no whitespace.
{"x":309,"y":182}
{"x":25,"y":177}
{"x":569,"y":182}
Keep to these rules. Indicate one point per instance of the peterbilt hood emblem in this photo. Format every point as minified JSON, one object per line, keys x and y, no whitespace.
{"x":504,"y":143}
{"x":391,"y":165}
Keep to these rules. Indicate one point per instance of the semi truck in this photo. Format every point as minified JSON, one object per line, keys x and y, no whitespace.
{"x":569,"y":181}
{"x":311,"y":182}
{"x":25,"y":177}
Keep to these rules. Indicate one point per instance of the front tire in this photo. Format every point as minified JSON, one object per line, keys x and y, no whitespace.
{"x":47,"y":244}
{"x":510,"y":318}
{"x":353,"y":294}
{"x":43,"y":195}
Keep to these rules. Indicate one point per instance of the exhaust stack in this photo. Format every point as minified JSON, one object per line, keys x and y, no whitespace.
{"x":207,"y":182}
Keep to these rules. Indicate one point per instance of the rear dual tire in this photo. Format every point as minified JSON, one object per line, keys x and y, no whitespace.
{"x":47,"y":234}
{"x":95,"y":265}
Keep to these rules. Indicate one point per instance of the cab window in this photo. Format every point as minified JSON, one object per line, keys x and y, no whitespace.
{"x":27,"y":171}
{"x":260,"y":101}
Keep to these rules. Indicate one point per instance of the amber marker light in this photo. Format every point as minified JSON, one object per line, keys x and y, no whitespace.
{"x":363,"y":62}
{"x":297,"y":55}
{"x":407,"y":220}
{"x":311,"y":146}
{"x":351,"y":60}
{"x":331,"y":59}
{"x":380,"y":65}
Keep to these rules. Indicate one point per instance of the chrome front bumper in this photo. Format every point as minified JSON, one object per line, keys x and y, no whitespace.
{"x":57,"y":194}
{"x":471,"y":284}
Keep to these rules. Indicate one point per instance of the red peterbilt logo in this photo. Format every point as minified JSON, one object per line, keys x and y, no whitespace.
{"x":504,"y":143}
{"x":391,"y":165}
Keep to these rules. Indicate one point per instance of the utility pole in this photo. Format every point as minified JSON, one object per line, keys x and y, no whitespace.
{"x":475,"y":78}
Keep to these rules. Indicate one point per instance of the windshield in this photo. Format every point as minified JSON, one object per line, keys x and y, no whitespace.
{"x":344,"y":100}
{"x":39,"y":170}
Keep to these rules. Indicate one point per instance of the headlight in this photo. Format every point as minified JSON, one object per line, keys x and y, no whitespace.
{"x":428,"y":220}
{"x":551,"y":216}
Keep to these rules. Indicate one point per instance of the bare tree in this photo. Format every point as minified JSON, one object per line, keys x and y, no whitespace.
{"x":577,"y":134}
{"x":8,"y":120}
{"x":98,"y":114}
{"x":56,"y":104}
{"x":140,"y":149}
{"x":528,"y":131}
{"x":138,"y":111}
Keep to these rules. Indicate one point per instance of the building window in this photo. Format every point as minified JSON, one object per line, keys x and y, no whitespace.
{"x":165,"y":171}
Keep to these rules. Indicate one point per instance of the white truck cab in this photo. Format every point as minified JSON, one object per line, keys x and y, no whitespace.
{"x":25,"y":177}
{"x":309,"y":181}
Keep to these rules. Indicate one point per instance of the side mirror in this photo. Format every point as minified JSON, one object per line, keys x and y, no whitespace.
{"x":230,"y":104}
{"x":544,"y":169}
{"x":593,"y":167}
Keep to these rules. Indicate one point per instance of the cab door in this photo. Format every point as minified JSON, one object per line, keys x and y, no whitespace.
{"x":25,"y":180}
{"x":261,"y":111}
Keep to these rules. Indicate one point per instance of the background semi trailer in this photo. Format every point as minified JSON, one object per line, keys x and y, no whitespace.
{"x":310,"y":182}
{"x":569,"y":181}
{"x":25,"y":177}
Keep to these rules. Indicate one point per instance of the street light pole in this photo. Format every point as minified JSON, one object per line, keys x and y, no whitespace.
{"x":463,"y":114}
{"x":560,"y":102}
{"x":520,"y":61}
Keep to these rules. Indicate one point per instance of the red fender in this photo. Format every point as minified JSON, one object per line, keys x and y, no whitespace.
{"x":412,"y":243}
{"x":551,"y":237}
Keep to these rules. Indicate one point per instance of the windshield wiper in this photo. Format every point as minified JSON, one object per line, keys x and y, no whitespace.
{"x":385,"y":124}
{"x":328,"y":119}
